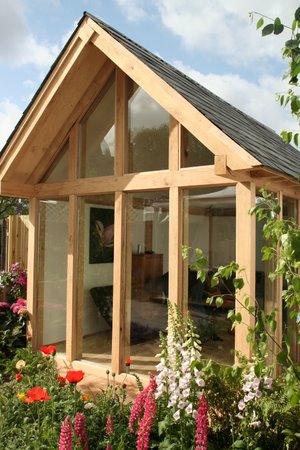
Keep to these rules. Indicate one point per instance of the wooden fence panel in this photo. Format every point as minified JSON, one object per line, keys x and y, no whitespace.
{"x":17,"y":240}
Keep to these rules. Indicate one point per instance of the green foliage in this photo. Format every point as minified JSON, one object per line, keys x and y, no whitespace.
{"x":37,"y":425}
{"x":276,"y":424}
{"x":12,"y":334}
{"x":290,"y":52}
{"x":284,"y":248}
{"x":13,"y":318}
{"x":200,"y":261}
{"x":10,"y":206}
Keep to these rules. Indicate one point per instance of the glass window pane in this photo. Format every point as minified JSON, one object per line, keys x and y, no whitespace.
{"x":209,"y":217}
{"x":59,"y":170}
{"x":97,"y":149}
{"x":95,"y":277}
{"x":193,"y":152}
{"x":52,"y":271}
{"x":148,"y":133}
{"x":147,"y":265}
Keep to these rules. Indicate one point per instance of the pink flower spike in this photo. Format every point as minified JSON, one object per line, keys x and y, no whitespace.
{"x":148,"y":418}
{"x":79,"y":427}
{"x":202,"y":424}
{"x":137,"y":409}
{"x":66,"y":435}
{"x":109,"y":425}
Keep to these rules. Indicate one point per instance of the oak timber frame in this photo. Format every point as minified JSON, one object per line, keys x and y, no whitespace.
{"x":233,"y":167}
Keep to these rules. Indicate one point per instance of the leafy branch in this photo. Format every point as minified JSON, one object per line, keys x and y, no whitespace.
{"x":290,"y":52}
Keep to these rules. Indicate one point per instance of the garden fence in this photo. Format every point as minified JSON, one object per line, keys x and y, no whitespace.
{"x":13,"y":241}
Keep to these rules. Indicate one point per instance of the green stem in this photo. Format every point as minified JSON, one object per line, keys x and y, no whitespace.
{"x":75,"y":400}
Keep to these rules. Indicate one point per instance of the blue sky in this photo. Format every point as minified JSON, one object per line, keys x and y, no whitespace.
{"x":212,"y":41}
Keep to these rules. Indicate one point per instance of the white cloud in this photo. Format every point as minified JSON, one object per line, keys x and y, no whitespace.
{"x":133,"y":10}
{"x":256,"y":100}
{"x":28,"y":83}
{"x":222,"y":29}
{"x":10,"y":113}
{"x":17,"y":44}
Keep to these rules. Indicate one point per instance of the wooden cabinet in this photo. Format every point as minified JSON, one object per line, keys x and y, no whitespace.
{"x":146,"y":267}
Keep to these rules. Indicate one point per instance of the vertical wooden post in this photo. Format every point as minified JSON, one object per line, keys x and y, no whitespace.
{"x":73,"y":152}
{"x":32,"y":265}
{"x":118,"y":330}
{"x":296,"y":351}
{"x":175,"y":219}
{"x":175,"y":245}
{"x":185,"y":235}
{"x":121,"y":119}
{"x":278,"y":290}
{"x":245,"y":256}
{"x":128,"y":271}
{"x":71,"y":301}
{"x":82,"y":229}
{"x":118,"y":294}
{"x":174,"y":144}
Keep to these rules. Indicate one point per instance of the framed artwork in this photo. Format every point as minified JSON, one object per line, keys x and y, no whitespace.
{"x":101,"y":239}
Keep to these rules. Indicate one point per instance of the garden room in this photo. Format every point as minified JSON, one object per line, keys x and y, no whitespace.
{"x":126,"y":162}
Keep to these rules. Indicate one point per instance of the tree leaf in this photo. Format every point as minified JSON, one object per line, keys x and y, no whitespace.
{"x":278,"y":27}
{"x":260,"y":23}
{"x":268,"y":29}
{"x":297,"y":14}
{"x":296,"y":284}
{"x":281,"y":357}
{"x":239,"y":444}
{"x":292,"y":43}
{"x":283,"y":135}
{"x":219,"y":302}
{"x":296,"y":70}
{"x":238,"y":283}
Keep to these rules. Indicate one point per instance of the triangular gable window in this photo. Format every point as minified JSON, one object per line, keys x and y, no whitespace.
{"x":193,"y":152}
{"x":148,"y":132}
{"x":58,"y":171}
{"x":97,"y":135}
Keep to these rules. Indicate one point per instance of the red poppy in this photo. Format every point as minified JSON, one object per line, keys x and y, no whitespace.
{"x":74,"y":376}
{"x":18,"y":376}
{"x":128,"y":361}
{"x":37,"y":394}
{"x":62,"y":380}
{"x":48,"y":350}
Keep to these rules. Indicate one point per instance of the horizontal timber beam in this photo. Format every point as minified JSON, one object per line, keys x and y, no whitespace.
{"x":8,"y":189}
{"x":163,"y":179}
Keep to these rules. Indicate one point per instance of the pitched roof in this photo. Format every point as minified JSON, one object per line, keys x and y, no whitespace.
{"x":258,"y":140}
